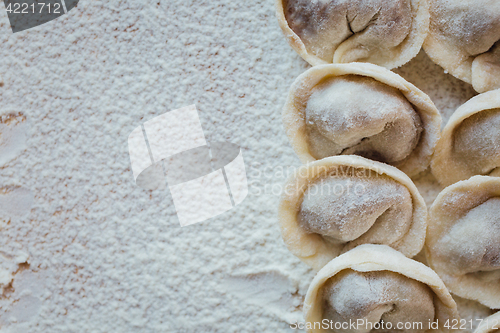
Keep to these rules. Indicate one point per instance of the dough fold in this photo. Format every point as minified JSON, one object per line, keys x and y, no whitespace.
{"x":386,"y":33}
{"x":463,"y":239}
{"x":470,"y":142}
{"x":464,"y":39}
{"x":374,"y":284}
{"x":490,"y":324}
{"x":335,"y":204}
{"x":361,"y":109}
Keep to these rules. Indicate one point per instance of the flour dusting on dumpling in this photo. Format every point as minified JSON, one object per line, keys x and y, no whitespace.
{"x":386,"y":33}
{"x":330,"y":206}
{"x":361,"y":109}
{"x":373,"y":288}
{"x":470,"y":142}
{"x":358,"y":115}
{"x":463,"y":239}
{"x":324,"y":25}
{"x":468,"y":249}
{"x":378,"y":296}
{"x":366,"y":210}
{"x":477,"y":141}
{"x":464,"y":38}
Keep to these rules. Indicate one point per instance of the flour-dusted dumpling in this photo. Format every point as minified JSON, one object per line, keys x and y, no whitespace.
{"x":463,"y":239}
{"x":361,"y":109}
{"x":379,"y":290}
{"x":386,"y":33}
{"x":337,"y":203}
{"x":490,"y":324}
{"x":470,"y":142}
{"x":464,"y":38}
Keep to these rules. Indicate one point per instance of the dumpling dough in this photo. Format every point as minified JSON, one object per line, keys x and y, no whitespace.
{"x":361,"y":109}
{"x":470,"y":142}
{"x":386,"y":33}
{"x":335,"y":204}
{"x":463,"y":239}
{"x":339,"y":123}
{"x":372,"y":283}
{"x":464,"y":38}
{"x":490,"y":324}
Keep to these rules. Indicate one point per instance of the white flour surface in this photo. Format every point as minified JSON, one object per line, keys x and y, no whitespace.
{"x":82,"y":248}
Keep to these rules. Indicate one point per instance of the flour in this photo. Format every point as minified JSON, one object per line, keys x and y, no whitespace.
{"x":13,"y":128}
{"x":105,"y":255}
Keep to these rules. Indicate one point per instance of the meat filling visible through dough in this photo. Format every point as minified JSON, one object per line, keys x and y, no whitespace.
{"x":470,"y":30}
{"x":472,"y":25}
{"x":477,"y":142}
{"x":472,"y":245}
{"x":346,"y":208}
{"x":377,"y":296}
{"x":323,"y":25}
{"x":360,"y":116}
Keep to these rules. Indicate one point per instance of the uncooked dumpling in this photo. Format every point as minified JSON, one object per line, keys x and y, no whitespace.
{"x":464,"y":38}
{"x":337,"y":203}
{"x":372,"y":284}
{"x":386,"y":33}
{"x":490,"y":324}
{"x":470,"y":142}
{"x":463,"y":239}
{"x":361,"y":109}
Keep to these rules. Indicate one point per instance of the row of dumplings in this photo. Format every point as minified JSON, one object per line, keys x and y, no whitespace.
{"x":462,"y":36}
{"x":366,"y":110}
{"x":374,"y":288}
{"x":353,"y":213}
{"x":334,"y":210}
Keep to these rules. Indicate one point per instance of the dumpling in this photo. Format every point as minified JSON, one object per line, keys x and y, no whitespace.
{"x":464,"y":38}
{"x":386,"y":33}
{"x":463,"y":239}
{"x":379,"y":290}
{"x":470,"y":142}
{"x":337,"y":203}
{"x":490,"y":324}
{"x":361,"y":109}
